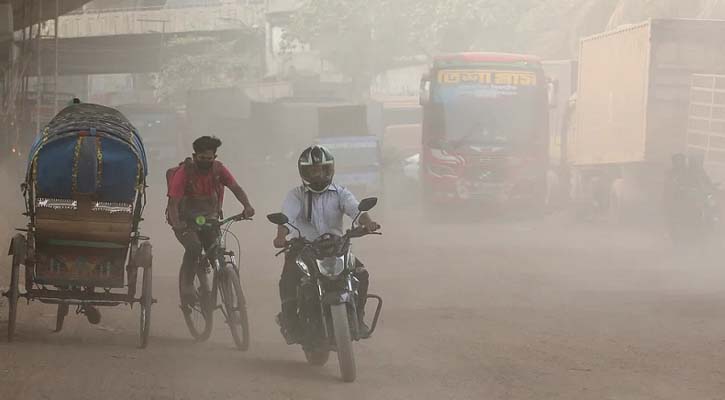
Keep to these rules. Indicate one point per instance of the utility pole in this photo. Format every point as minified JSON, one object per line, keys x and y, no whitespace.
{"x":39,"y":78}
{"x":162,"y":42}
{"x":55,"y":78}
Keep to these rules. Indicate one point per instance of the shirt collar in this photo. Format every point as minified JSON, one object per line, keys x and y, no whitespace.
{"x":332,"y":188}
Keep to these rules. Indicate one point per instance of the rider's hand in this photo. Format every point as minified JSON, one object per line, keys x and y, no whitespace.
{"x":280,"y":242}
{"x":248,"y":212}
{"x":372,"y":226}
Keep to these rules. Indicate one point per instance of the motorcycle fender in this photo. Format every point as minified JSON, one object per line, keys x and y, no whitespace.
{"x":337,"y":298}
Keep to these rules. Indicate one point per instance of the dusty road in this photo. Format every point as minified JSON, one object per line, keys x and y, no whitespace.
{"x":520,"y":310}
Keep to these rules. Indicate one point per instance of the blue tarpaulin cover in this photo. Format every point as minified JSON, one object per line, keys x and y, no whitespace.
{"x":88,"y":149}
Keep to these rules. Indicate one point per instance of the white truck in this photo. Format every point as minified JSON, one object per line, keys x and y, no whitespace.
{"x":632,"y":109}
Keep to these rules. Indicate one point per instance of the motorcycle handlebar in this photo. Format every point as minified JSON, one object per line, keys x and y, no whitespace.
{"x":350,"y":234}
{"x":359,"y":232}
{"x":292,"y":243}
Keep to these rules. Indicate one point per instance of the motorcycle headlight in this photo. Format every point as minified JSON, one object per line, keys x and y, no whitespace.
{"x":302,"y":266}
{"x":331,"y":266}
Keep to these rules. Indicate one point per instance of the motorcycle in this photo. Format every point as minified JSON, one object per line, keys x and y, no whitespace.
{"x":695,"y":214}
{"x":327,"y":293}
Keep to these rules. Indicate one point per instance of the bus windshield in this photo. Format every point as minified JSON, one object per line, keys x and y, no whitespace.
{"x":484,"y":107}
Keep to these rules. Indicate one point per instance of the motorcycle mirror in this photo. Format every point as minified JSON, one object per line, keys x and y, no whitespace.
{"x":367,"y":204}
{"x":278,"y":219}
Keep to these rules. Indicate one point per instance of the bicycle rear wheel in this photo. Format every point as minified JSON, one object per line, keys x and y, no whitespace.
{"x":235,"y":307}
{"x":198,"y":311}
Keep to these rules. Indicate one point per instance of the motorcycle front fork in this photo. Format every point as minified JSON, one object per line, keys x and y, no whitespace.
{"x":309,"y":296}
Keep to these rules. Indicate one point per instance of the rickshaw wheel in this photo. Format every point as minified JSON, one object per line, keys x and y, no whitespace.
{"x":17,"y":248}
{"x":147,"y":301}
{"x":60,"y":317}
{"x":13,"y":296}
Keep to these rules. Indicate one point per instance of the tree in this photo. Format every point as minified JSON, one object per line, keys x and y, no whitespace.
{"x":364,"y":37}
{"x":206,"y":62}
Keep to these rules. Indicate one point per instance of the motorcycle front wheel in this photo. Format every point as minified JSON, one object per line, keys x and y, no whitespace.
{"x":317,"y":358}
{"x":343,"y":340}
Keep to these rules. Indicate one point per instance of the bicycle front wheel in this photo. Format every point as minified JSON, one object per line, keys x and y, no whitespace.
{"x":235,"y":307}
{"x":198,"y":309}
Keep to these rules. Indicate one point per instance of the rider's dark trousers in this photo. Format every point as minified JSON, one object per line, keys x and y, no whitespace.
{"x":193,"y":242}
{"x":291,"y":276}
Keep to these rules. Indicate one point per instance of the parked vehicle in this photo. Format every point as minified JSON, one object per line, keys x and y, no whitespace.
{"x":343,"y":129}
{"x":636,"y":85}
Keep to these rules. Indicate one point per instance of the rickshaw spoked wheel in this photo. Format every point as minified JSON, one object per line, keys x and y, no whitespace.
{"x":17,"y":249}
{"x":147,"y":300}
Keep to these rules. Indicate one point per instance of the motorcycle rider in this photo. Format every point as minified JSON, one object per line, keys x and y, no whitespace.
{"x":678,"y":173}
{"x":697,"y":174}
{"x":317,"y":207}
{"x":676,"y":184}
{"x":197,"y":189}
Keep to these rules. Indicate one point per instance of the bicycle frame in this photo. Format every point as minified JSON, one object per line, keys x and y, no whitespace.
{"x":216,"y":257}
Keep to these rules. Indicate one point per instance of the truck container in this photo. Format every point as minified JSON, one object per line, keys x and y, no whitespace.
{"x":632,"y":106}
{"x":706,"y":122}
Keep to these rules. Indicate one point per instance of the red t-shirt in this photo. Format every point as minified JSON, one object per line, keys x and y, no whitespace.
{"x":203,"y":184}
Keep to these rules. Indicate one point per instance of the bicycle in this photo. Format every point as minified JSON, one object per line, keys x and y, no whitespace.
{"x":217,"y":273}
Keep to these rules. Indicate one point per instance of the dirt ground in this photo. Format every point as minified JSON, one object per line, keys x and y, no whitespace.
{"x":530,"y":309}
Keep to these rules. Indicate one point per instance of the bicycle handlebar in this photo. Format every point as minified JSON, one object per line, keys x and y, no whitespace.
{"x":235,"y":218}
{"x":213,"y":223}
